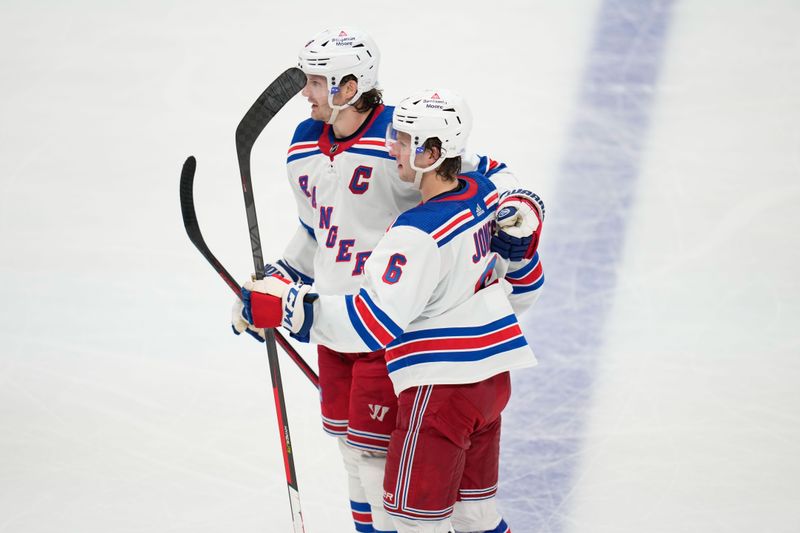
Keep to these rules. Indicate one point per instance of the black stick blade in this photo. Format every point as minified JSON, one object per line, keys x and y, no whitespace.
{"x":274,"y":97}
{"x":187,"y":198}
{"x":193,"y":228}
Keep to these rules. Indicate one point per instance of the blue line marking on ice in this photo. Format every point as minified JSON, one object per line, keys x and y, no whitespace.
{"x":581,"y":252}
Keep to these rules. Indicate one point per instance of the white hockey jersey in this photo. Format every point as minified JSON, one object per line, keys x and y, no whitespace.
{"x":430,"y":296}
{"x":348,"y":194}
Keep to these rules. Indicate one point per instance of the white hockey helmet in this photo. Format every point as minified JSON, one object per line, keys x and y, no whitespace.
{"x":337,"y":53}
{"x":431,"y":113}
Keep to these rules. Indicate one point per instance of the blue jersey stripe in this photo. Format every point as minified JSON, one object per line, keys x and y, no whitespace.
{"x":456,"y":357}
{"x":309,"y":229}
{"x":373,"y":153}
{"x":526,"y":269}
{"x":521,"y":289}
{"x":295,"y":157}
{"x":495,"y":170}
{"x":455,"y":332}
{"x":483,"y":167}
{"x":467,"y":225}
{"x":362,"y":331}
{"x":482,"y":164}
{"x":393,"y":328}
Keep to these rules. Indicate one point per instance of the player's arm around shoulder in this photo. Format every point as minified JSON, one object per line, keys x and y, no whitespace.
{"x":400,"y":277}
{"x":497,"y":171}
{"x":519,"y":225}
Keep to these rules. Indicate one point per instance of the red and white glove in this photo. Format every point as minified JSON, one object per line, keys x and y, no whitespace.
{"x":240,"y":325}
{"x":275,"y":301}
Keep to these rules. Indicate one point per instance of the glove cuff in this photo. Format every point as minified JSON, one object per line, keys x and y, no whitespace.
{"x":303,"y":334}
{"x":529,"y":197}
{"x":278,"y":268}
{"x":295,"y":318}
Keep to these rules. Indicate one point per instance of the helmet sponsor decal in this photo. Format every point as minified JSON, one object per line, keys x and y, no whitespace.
{"x":343,"y":40}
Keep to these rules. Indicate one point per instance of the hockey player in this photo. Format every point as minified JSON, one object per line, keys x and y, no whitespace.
{"x":430,"y":296}
{"x":345,"y":185}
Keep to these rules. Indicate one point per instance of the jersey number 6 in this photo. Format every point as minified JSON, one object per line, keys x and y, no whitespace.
{"x":393,"y":270}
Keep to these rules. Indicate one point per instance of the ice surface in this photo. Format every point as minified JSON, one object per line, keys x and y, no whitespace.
{"x":662,"y":135}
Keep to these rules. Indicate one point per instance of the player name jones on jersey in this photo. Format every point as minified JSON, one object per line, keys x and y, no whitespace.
{"x":483,"y":239}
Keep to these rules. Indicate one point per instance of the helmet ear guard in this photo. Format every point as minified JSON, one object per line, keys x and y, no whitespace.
{"x":338,"y":53}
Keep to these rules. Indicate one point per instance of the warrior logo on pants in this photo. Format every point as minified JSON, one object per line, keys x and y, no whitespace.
{"x":377,"y":412}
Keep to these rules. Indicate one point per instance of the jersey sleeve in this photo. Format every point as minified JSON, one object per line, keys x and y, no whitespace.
{"x":399,"y":279}
{"x":502,"y":177}
{"x":298,"y":257}
{"x":524,"y":280}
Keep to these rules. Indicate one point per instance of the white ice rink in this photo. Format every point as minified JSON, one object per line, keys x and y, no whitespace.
{"x":663,"y":136}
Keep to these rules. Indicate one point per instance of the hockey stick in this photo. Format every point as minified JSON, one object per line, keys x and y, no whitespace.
{"x":193,"y":231}
{"x":252,"y":124}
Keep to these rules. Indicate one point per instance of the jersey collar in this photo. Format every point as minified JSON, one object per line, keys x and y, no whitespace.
{"x":331,"y":146}
{"x":467,"y":189}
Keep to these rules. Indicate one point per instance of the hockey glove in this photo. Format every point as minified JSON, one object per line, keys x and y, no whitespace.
{"x":276,"y":269}
{"x":240,"y":325}
{"x":519,"y":224}
{"x":275,"y":301}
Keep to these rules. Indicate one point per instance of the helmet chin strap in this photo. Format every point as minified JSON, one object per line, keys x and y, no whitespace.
{"x":418,"y":179}
{"x":335,"y":112}
{"x":420,"y":171}
{"x":336,"y":108}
